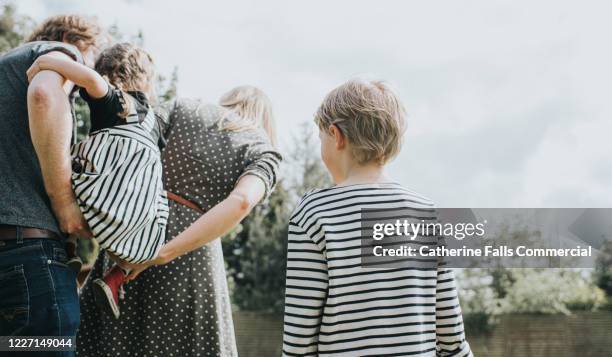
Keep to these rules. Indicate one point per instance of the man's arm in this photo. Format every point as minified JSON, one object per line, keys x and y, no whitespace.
{"x":71,"y":70}
{"x":51,"y":130}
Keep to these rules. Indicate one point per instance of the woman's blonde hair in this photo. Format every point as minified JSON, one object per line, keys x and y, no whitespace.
{"x":80,"y":31}
{"x":129,"y":68}
{"x":253,"y":109}
{"x":371,"y":117}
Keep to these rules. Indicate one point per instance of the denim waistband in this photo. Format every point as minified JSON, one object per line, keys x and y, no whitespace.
{"x":13,"y":250}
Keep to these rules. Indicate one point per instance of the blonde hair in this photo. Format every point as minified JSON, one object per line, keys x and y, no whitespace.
{"x":253,"y":109}
{"x":80,"y":31}
{"x":371,"y":117}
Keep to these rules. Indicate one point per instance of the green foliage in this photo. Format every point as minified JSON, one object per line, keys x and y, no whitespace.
{"x":256,"y":252}
{"x":167,"y":87}
{"x":13,"y":27}
{"x":479,"y":299}
{"x":487,"y":293}
{"x":306,"y":170}
{"x":552,"y":291}
{"x":255,"y":255}
{"x":603,"y":269}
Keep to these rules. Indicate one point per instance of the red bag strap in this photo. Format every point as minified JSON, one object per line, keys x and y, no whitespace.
{"x":183,"y":201}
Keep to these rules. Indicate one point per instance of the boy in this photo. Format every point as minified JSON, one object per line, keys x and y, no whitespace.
{"x":333,"y":306}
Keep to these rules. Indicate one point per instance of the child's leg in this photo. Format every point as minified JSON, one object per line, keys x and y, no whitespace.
{"x":109,"y":290}
{"x":126,"y":272}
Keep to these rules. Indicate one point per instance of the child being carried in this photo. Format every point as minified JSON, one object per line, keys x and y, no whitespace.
{"x":117,"y":170}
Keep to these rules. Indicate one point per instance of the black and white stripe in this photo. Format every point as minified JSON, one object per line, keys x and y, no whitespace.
{"x":334,"y":307}
{"x":120,"y":190}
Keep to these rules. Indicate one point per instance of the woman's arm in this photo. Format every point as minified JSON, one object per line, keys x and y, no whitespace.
{"x":220,"y":220}
{"x":73,"y":71}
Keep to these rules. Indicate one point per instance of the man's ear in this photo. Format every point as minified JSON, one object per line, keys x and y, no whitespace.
{"x":338,"y":136}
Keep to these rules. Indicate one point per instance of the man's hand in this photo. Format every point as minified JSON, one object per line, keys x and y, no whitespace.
{"x":71,"y":219}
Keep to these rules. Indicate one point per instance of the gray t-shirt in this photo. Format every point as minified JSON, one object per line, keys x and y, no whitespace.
{"x":23,"y":199}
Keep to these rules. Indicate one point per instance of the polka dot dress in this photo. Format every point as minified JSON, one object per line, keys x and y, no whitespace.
{"x":183,"y":308}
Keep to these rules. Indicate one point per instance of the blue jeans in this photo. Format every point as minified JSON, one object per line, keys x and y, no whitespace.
{"x":38,"y":292}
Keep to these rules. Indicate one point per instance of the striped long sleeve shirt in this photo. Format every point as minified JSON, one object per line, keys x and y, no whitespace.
{"x":335,"y":307}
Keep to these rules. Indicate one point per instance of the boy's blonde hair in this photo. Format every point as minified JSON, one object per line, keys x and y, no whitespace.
{"x":127,"y":67}
{"x":370,"y":116}
{"x":253,"y":109}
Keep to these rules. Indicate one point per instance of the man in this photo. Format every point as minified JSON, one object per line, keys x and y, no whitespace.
{"x":38,"y":294}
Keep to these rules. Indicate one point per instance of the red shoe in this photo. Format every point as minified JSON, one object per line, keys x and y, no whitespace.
{"x":106,"y":290}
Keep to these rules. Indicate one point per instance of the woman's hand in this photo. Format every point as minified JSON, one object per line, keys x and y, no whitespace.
{"x":219,"y":220}
{"x":215,"y":223}
{"x":136,"y":269}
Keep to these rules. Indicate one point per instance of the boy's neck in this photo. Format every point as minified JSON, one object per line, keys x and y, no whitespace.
{"x":362,"y":174}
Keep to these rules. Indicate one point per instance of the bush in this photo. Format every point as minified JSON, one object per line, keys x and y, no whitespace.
{"x":255,"y":256}
{"x":603,"y":269}
{"x":256,"y":252}
{"x":479,"y":301}
{"x":552,"y":291}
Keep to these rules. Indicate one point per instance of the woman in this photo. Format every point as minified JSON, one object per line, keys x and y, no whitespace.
{"x":220,"y":160}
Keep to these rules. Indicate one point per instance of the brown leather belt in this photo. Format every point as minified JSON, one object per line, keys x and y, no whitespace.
{"x":183,"y":201}
{"x":10,"y":233}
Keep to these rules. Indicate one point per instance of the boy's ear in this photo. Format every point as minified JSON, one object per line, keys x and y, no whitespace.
{"x":339,"y":138}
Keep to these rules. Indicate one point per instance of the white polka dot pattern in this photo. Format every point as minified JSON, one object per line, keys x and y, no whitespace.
{"x":183,"y":308}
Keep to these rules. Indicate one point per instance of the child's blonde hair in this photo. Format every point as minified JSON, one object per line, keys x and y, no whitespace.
{"x":129,"y":68}
{"x":371,"y":117}
{"x":253,"y":109}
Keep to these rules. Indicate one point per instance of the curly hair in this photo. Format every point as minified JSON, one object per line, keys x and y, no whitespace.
{"x":128,"y":68}
{"x":77,"y":30}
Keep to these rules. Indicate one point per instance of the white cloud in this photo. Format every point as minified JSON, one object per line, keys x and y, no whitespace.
{"x":508,"y":100}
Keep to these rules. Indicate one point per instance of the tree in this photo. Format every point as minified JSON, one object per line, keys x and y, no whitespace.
{"x":603,"y":269}
{"x":256,"y":252}
{"x":308,"y":171}
{"x":487,"y":293}
{"x":167,"y":87}
{"x":13,"y":27}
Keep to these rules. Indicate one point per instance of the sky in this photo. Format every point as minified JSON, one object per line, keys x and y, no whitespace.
{"x":507,"y":101}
